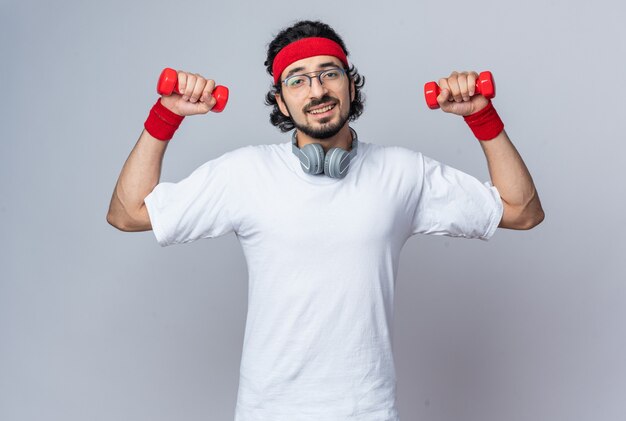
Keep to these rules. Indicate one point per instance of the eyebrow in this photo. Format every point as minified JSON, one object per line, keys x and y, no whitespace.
{"x":321,"y":66}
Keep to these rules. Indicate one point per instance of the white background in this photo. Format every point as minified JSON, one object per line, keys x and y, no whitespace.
{"x":96,"y":324}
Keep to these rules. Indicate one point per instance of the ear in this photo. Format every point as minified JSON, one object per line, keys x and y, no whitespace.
{"x":352,"y":91}
{"x":281,"y":104}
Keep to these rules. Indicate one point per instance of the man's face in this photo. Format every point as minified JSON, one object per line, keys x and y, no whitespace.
{"x":308,"y":109}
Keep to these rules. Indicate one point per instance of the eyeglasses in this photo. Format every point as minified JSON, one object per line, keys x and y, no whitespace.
{"x":301,"y":84}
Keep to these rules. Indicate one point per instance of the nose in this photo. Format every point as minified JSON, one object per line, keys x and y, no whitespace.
{"x":318,"y":89}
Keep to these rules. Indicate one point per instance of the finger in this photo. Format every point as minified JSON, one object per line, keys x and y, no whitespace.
{"x":198,"y":88}
{"x":455,"y":89}
{"x":206,"y":93}
{"x":209,"y":103}
{"x":444,"y":97}
{"x":182,"y":81}
{"x":443,"y":84}
{"x":472,"y":77}
{"x":191,"y":83}
{"x":205,"y":107}
{"x":462,"y":80}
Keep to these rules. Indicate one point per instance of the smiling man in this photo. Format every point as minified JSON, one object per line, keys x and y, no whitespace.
{"x":315,"y":92}
{"x":322,"y":220}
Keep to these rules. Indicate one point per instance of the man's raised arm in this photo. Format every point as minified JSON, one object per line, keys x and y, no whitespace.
{"x":142,"y":170}
{"x":140,"y":174}
{"x":522,"y":208}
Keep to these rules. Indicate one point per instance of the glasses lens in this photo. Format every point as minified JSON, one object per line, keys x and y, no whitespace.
{"x":331,"y":75}
{"x":301,"y":83}
{"x":295,"y":82}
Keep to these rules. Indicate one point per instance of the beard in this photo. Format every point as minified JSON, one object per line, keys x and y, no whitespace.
{"x":326,"y":129}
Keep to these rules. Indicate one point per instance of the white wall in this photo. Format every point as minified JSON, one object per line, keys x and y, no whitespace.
{"x":96,"y":324}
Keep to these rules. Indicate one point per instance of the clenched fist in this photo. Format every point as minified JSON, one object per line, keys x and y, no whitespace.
{"x":195,"y":95}
{"x":458,"y":94}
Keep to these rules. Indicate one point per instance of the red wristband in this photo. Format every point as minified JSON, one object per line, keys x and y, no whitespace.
{"x":486,"y":123}
{"x":161,"y":122}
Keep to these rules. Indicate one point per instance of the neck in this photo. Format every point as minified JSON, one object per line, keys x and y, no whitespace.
{"x":343,"y":140}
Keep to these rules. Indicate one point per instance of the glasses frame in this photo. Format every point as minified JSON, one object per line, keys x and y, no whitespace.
{"x":310,"y":78}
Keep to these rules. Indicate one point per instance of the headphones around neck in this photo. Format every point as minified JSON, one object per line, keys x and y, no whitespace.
{"x":334,"y":164}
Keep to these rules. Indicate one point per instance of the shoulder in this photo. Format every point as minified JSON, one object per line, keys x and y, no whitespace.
{"x":392,"y":156}
{"x":248,"y":154}
{"x":248,"y":163}
{"x":255,"y":151}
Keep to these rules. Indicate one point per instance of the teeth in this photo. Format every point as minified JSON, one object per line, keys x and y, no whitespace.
{"x":322,"y":110}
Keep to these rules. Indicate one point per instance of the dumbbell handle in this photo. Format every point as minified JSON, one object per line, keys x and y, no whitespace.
{"x":168,"y":83}
{"x":485,"y":86}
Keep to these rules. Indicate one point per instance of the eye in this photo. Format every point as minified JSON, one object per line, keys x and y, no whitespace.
{"x":330,"y":74}
{"x":295,"y":81}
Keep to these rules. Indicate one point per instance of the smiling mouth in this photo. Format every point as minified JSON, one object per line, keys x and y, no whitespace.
{"x":323,"y":109}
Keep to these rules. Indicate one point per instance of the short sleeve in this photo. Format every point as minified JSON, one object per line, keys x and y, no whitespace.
{"x":196,"y":207}
{"x":452,"y":203}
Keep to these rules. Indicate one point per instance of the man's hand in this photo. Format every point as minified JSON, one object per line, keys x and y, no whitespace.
{"x":195,"y":95}
{"x":458,"y":94}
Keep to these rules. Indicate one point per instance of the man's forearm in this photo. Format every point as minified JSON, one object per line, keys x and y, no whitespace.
{"x":522,"y":208}
{"x":140,"y":174}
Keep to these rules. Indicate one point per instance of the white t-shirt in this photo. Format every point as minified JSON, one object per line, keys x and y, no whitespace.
{"x":322,"y":258}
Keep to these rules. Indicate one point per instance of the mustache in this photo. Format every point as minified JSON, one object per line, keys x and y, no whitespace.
{"x":316,"y":102}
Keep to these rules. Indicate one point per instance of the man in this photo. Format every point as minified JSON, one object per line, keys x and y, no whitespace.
{"x":322,"y":248}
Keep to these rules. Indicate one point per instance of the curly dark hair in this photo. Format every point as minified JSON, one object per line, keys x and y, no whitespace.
{"x":307,"y":29}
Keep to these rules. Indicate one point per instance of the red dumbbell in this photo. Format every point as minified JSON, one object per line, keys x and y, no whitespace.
{"x":168,"y":83}
{"x":485,"y":86}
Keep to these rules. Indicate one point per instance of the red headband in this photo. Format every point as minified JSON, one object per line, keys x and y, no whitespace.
{"x":305,"y":48}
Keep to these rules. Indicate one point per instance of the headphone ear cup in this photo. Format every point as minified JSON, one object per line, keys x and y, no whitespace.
{"x":333,"y":163}
{"x":313,"y":160}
